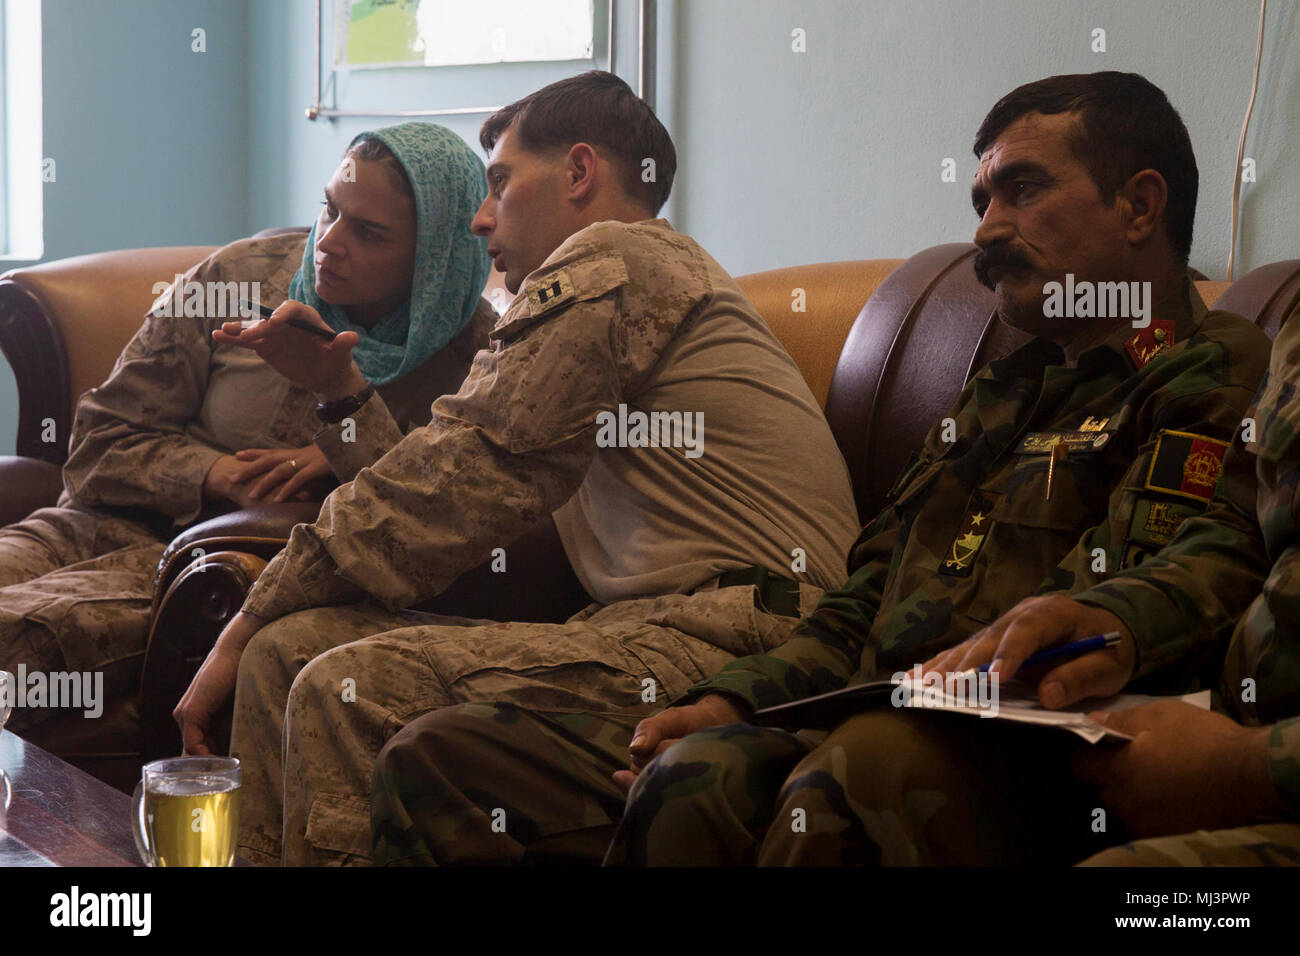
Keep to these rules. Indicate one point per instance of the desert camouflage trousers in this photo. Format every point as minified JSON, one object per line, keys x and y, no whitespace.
{"x":76,"y":589}
{"x":320,"y":692}
{"x":893,"y":788}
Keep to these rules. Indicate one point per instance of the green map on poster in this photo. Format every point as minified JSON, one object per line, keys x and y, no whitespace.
{"x":376,"y":33}
{"x":382,"y":32}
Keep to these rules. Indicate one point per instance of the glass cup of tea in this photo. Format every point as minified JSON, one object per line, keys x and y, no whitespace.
{"x":6,"y":694}
{"x":7,"y":691}
{"x":185,"y":811}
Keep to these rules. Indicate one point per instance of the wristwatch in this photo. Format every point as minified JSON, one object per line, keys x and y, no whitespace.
{"x":331,"y":413}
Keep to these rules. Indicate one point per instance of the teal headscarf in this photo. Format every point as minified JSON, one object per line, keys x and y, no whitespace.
{"x":451,"y":263}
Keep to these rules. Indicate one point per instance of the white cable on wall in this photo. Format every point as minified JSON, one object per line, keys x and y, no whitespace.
{"x":1241,"y":146}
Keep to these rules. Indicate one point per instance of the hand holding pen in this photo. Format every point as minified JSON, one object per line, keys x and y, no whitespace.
{"x":1051,"y":623}
{"x":1062,"y":652}
{"x":266,"y":312}
{"x":296,"y":342}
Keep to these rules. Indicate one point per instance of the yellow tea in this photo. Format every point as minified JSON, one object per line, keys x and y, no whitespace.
{"x":193,"y":820}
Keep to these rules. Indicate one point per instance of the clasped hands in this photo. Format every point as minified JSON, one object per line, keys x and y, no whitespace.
{"x":254,"y":475}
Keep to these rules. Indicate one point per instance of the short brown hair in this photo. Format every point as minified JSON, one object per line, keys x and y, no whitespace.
{"x":1126,"y":125}
{"x":597,"y":108}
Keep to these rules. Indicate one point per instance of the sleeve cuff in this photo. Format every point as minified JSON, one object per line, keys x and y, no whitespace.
{"x":1139,"y":605}
{"x":758,"y":681}
{"x":309,"y":579}
{"x":185,"y":473}
{"x":359,"y":440}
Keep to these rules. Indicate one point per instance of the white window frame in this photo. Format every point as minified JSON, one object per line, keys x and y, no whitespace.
{"x":23,"y":236}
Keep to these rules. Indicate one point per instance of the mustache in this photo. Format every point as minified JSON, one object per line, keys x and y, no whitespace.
{"x":1001,"y":255}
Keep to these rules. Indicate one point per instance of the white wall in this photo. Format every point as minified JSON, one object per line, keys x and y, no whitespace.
{"x":835,"y":153}
{"x":149,"y":138}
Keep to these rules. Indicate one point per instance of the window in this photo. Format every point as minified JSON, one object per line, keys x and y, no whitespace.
{"x":377,"y":33}
{"x":4,"y":138}
{"x":22,"y":169}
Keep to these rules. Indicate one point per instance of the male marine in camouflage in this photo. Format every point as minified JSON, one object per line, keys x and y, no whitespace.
{"x":618,"y":316}
{"x":1069,"y":460}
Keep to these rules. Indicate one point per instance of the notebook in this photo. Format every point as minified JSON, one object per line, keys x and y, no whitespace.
{"x":1011,"y":700}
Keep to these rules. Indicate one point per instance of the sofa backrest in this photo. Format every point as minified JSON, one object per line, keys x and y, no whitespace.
{"x":886,"y":370}
{"x":64,"y":323}
{"x":930,"y":326}
{"x":811,"y":309}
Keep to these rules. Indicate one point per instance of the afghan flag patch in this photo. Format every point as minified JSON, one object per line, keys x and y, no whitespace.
{"x":1186,"y":464}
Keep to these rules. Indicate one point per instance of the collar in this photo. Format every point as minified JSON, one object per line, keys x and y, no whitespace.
{"x":1174,"y":319}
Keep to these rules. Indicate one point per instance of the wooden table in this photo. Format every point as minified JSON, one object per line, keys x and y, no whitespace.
{"x":59,"y":815}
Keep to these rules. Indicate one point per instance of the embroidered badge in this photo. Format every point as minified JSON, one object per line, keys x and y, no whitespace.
{"x":550,"y":292}
{"x":1158,"y":521}
{"x":1150,"y":342}
{"x":1042,"y":443}
{"x":1186,"y":464}
{"x":975,"y":528}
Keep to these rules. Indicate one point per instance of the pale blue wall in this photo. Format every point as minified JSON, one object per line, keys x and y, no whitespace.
{"x":149,"y":139}
{"x":835,"y":153}
{"x":784,"y":158}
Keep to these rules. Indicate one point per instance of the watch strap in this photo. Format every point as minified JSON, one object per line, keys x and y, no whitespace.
{"x":333,"y":412}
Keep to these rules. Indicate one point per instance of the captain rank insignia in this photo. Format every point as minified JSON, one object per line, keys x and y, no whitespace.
{"x":550,"y":293}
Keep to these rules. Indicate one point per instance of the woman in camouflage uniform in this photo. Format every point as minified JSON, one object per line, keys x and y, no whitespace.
{"x":186,"y":427}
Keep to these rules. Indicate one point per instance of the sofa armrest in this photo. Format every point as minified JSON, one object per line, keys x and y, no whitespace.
{"x":32,"y":343}
{"x":260,"y":531}
{"x":28,"y":484}
{"x":262,"y":521}
{"x":188,"y":618}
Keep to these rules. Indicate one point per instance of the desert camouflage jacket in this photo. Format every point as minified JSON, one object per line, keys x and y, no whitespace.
{"x":176,"y":401}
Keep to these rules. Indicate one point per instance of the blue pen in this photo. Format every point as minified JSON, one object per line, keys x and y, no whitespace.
{"x":1073,"y":649}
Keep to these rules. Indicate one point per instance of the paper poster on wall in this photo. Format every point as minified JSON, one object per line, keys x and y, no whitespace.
{"x":384,"y":33}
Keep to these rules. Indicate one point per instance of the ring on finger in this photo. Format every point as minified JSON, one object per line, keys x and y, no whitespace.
{"x":293,"y":464}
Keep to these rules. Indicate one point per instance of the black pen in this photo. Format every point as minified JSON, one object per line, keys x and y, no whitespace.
{"x":302,"y":324}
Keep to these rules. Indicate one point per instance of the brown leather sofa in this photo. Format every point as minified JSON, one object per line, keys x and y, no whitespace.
{"x":885,"y":370}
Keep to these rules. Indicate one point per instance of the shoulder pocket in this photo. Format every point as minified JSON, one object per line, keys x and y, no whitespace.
{"x":554,"y":290}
